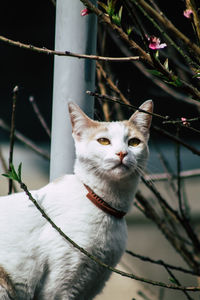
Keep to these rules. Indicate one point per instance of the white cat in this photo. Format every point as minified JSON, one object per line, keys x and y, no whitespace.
{"x":36,"y":262}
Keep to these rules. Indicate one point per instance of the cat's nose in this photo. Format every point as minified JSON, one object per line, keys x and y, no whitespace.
{"x":121,"y":155}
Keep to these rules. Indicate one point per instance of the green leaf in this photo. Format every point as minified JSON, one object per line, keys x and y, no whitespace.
{"x":120,"y":13}
{"x":6,"y":175}
{"x":196,"y":75}
{"x":157,"y":54}
{"x":129,"y":30}
{"x":176,"y":82}
{"x":166,"y":64}
{"x":116,"y":20}
{"x":12,"y":174}
{"x":20,"y":171}
{"x":156,"y":73}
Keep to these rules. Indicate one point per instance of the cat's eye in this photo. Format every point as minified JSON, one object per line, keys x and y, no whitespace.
{"x":103,"y":141}
{"x":134,"y":142}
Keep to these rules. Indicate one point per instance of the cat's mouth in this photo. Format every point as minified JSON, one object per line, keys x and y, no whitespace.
{"x":121,"y":165}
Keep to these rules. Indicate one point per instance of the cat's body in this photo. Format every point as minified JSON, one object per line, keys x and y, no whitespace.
{"x":39,"y":263}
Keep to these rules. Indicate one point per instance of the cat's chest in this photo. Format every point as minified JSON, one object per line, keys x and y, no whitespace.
{"x":111,"y":239}
{"x":86,"y":224}
{"x":101,"y":235}
{"x":92,"y":229}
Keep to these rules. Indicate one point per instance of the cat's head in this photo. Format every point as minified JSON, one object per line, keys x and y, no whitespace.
{"x":111,"y":149}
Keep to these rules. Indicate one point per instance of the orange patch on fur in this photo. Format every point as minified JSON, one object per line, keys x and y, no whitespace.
{"x":6,"y":282}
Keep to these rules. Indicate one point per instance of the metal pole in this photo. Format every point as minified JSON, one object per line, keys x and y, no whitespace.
{"x":72,"y":77}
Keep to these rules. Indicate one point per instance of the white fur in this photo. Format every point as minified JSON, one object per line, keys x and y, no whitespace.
{"x":41,"y":264}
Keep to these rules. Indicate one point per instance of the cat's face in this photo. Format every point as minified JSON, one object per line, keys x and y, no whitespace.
{"x":111,"y":149}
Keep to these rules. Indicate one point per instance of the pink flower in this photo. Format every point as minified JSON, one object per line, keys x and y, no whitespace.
{"x":155,"y":43}
{"x":185,"y":122}
{"x":188,"y":13}
{"x":85,"y":12}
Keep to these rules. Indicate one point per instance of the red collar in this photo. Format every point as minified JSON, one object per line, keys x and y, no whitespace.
{"x":100,"y":203}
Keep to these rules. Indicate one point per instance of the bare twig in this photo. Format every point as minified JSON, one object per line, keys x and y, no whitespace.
{"x":177,"y":282}
{"x":178,"y":159}
{"x":155,"y":128}
{"x":39,"y":115}
{"x":175,"y":139}
{"x":103,"y":92}
{"x":162,"y":263}
{"x":178,"y":244}
{"x":164,"y":176}
{"x":66,"y":53}
{"x":190,"y":4}
{"x":127,"y":104}
{"x":12,"y":134}
{"x":183,"y":221}
{"x":26,"y":141}
{"x":3,"y":161}
{"x":112,"y":85}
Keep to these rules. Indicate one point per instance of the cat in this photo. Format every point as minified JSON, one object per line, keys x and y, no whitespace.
{"x":89,"y":206}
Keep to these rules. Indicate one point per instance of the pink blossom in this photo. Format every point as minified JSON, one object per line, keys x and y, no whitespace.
{"x":85,"y":12}
{"x":155,"y":43}
{"x":185,"y":122}
{"x":188,"y":13}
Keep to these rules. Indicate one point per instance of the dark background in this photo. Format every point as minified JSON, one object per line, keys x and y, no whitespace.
{"x":33,"y":22}
{"x":30,"y":22}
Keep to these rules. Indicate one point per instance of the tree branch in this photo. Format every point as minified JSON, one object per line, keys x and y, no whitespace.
{"x":66,"y":53}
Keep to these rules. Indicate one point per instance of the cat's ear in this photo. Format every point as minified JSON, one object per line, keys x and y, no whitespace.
{"x":141,"y":119}
{"x":79,"y":119}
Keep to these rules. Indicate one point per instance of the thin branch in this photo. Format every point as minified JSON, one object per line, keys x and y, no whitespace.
{"x":123,"y":98}
{"x":183,"y":221}
{"x":177,"y":282}
{"x":178,"y":165}
{"x":127,"y":104}
{"x":112,"y":85}
{"x":39,"y":115}
{"x":175,"y":139}
{"x":181,"y":121}
{"x":195,"y":17}
{"x":166,"y":167}
{"x":3,"y":161}
{"x":149,"y":211}
{"x":102,"y":89}
{"x":162,"y":263}
{"x":26,"y":141}
{"x":164,"y":176}
{"x":66,"y":53}
{"x":155,"y":128}
{"x":12,"y":134}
